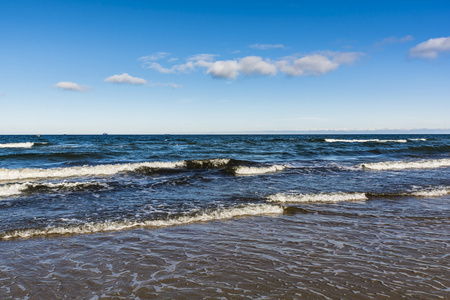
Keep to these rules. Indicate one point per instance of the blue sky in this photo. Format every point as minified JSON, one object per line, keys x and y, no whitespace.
{"x":223,"y":66}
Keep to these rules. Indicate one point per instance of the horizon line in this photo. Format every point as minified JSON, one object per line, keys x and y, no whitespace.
{"x":269,"y":132}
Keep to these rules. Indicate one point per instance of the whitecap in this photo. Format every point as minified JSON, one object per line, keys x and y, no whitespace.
{"x":320,"y":197}
{"x":17,"y":145}
{"x":432,"y":192}
{"x":244,"y":170}
{"x":401,"y":165}
{"x":35,"y":173}
{"x":19,"y":188}
{"x":365,"y":141}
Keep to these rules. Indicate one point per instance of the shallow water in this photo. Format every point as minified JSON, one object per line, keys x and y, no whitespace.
{"x":319,"y":254}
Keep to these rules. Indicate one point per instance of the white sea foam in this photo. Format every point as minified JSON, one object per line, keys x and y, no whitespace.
{"x":30,"y":173}
{"x":436,"y":192}
{"x":17,"y":145}
{"x":244,"y":170}
{"x":209,"y":163}
{"x":321,"y":197}
{"x":420,"y":139}
{"x":228,"y":213}
{"x":401,"y":165}
{"x":18,"y":188}
{"x":364,"y":141}
{"x":11,"y":189}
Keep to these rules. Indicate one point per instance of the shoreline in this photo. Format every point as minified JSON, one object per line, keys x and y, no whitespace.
{"x":248,"y":257}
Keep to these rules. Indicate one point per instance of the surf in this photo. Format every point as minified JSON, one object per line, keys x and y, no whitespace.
{"x":15,"y":189}
{"x":91,"y":227}
{"x":403,"y":165}
{"x":319,"y":197}
{"x":17,"y":145}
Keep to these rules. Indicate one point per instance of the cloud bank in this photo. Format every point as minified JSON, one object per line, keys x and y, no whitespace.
{"x":72,"y":86}
{"x":125,"y":78}
{"x":315,"y":64}
{"x":431,"y":49}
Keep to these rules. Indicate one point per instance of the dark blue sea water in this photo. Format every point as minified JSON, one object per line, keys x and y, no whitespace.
{"x":338,"y":205}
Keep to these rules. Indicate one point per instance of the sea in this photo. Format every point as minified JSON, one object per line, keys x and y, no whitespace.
{"x":225,"y":217}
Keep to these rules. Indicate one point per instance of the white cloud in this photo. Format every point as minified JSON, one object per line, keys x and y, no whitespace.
{"x":180,"y":68}
{"x":266,"y":46}
{"x":431,"y":48}
{"x":72,"y":86}
{"x":160,"y":68}
{"x":255,"y":65}
{"x":230,"y":69}
{"x":226,"y":69}
{"x":125,"y":79}
{"x":315,"y":64}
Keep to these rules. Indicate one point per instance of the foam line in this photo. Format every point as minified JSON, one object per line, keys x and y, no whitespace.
{"x":402,"y":165}
{"x":246,"y":210}
{"x":365,"y":141}
{"x":320,"y":197}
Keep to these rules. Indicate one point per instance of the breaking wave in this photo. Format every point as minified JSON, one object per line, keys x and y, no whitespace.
{"x":29,"y":173}
{"x":365,"y":141}
{"x":227,"y":213}
{"x":28,"y":187}
{"x":215,"y":163}
{"x":355,"y":196}
{"x":432,"y":192}
{"x":401,"y":165}
{"x":321,"y":197}
{"x":17,"y":145}
{"x":237,"y":166}
{"x":245,"y":170}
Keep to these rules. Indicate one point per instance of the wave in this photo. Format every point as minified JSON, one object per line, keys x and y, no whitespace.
{"x":365,"y":141}
{"x":141,"y":168}
{"x":227,"y":213}
{"x":245,"y":170}
{"x":354,"y":196}
{"x":214,"y":163}
{"x":433,"y":192}
{"x":428,"y":192}
{"x":320,"y":197}
{"x":28,"y":187}
{"x":99,"y":170}
{"x":401,"y":165}
{"x":17,"y":145}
